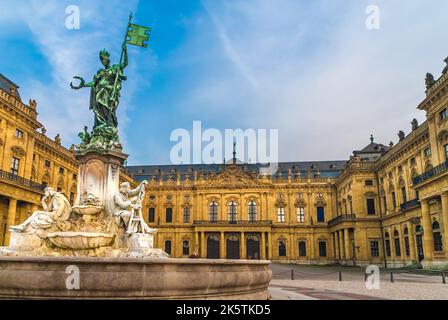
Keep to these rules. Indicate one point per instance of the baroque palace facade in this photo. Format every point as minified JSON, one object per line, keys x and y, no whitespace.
{"x":385,"y":205}
{"x":29,"y":160}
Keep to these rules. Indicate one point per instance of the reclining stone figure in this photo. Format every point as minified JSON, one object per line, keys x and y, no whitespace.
{"x":54,"y":216}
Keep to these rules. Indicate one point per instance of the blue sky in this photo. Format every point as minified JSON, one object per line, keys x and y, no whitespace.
{"x":308,"y":68}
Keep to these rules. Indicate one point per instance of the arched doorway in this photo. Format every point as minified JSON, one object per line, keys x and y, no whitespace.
{"x":213,"y":246}
{"x":419,"y":241}
{"x":233,"y":247}
{"x":253,"y":247}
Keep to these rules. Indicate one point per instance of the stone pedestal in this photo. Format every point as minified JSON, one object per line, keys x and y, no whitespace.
{"x":99,"y":174}
{"x":141,"y":242}
{"x":25,"y":242}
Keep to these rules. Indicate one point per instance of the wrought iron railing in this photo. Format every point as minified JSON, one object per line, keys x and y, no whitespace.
{"x":431,"y":173}
{"x":341,"y":218}
{"x":415,"y":203}
{"x":5,"y":175}
{"x":233,"y":222}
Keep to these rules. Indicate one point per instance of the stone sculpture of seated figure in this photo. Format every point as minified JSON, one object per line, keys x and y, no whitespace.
{"x":54,"y":216}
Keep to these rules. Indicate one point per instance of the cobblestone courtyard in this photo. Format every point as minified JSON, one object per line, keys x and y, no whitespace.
{"x":322,"y":283}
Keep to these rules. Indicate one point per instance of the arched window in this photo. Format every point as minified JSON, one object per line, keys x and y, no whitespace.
{"x":397,"y":244}
{"x":213,"y":211}
{"x":300,"y":214}
{"x":168,"y":246}
{"x":302,"y":249}
{"x":438,"y":245}
{"x":407,"y":248}
{"x":281,"y":214}
{"x":252,"y":211}
{"x":282,"y":248}
{"x":186,"y":214}
{"x":387,"y":244}
{"x":322,"y":249}
{"x":185,"y":247}
{"x":232,"y":211}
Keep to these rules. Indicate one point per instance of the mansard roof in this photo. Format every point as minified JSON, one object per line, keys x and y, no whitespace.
{"x":326,"y":169}
{"x":9,"y":86}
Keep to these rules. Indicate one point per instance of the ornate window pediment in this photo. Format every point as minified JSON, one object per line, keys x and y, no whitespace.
{"x":370,"y":194}
{"x":18,"y":152}
{"x":320,"y":201}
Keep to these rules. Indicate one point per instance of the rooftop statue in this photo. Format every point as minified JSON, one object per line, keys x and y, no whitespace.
{"x":429,"y":81}
{"x":105,"y":93}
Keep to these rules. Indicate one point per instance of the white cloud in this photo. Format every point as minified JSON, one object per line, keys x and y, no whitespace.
{"x":69,"y":53}
{"x":321,"y":77}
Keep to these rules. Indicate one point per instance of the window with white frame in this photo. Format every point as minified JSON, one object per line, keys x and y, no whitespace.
{"x":300,"y":214}
{"x":281,"y":214}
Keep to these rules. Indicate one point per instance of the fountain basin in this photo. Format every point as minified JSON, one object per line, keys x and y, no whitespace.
{"x":87,"y":210}
{"x":134,"y":278}
{"x":80,"y":240}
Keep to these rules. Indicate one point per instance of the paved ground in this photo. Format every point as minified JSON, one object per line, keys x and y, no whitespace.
{"x":322,"y":283}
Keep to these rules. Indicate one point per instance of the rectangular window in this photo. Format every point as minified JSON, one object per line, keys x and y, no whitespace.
{"x":369,"y":182}
{"x":47,"y":163}
{"x":61,"y":170}
{"x":302,"y":249}
{"x":443,"y":114}
{"x":427,"y":152}
{"x":374,"y":248}
{"x":385,"y":203}
{"x":387,"y":248}
{"x":397,"y":247}
{"x":15,"y":164}
{"x":72,"y":198}
{"x":169,"y":215}
{"x":19,"y":133}
{"x":281,"y":214}
{"x":186,"y":214}
{"x":403,"y":194}
{"x":413,"y":161}
{"x":320,"y":214}
{"x":394,"y":200}
{"x":300,"y":215}
{"x":322,"y":249}
{"x":152,"y":215}
{"x":371,"y":206}
{"x":74,"y":177}
{"x":446,"y":152}
{"x":168,"y":246}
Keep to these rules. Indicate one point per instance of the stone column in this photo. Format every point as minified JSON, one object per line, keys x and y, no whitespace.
{"x":341,"y":245}
{"x":337,"y":254}
{"x":444,"y":216}
{"x":203,"y":245}
{"x":243,"y":247}
{"x":263,"y":246}
{"x":428,"y":239}
{"x":412,"y":246}
{"x":347,"y":243}
{"x":222,"y":246}
{"x":196,"y":243}
{"x":270,"y":245}
{"x":12,"y":209}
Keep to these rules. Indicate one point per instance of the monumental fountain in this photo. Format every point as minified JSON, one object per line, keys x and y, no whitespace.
{"x":102,"y":248}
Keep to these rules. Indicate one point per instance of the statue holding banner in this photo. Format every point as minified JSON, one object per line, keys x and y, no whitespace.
{"x":105,"y":93}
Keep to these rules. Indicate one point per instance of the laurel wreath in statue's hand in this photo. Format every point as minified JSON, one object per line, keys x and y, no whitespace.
{"x":81,"y":84}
